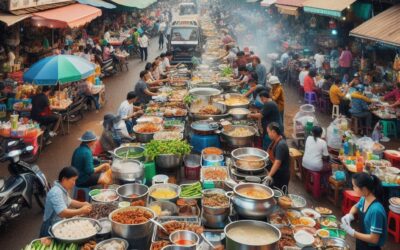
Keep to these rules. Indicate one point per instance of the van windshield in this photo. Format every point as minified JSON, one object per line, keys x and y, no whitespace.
{"x":184,"y":34}
{"x":187,"y":10}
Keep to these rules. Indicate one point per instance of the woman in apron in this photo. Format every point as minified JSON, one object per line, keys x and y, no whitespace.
{"x":278,"y":152}
{"x":58,"y":203}
{"x":371,"y":214}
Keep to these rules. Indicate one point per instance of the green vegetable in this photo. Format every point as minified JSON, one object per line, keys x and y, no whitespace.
{"x":188,"y":99}
{"x":175,"y":147}
{"x":192,"y":190}
{"x":227,"y":71}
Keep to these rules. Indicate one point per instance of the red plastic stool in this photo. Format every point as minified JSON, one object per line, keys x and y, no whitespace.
{"x":350,"y":198}
{"x":313,"y":182}
{"x":393,"y":217}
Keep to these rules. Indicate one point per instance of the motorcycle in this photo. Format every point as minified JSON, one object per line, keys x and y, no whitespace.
{"x":25,"y":181}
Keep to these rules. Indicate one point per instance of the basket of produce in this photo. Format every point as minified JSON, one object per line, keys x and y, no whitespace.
{"x":75,"y":230}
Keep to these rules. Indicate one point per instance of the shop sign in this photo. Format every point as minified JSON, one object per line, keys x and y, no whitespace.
{"x":11,"y":5}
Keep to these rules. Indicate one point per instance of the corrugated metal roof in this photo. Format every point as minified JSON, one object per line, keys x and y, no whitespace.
{"x":383,"y":28}
{"x":297,"y":3}
{"x":337,"y":5}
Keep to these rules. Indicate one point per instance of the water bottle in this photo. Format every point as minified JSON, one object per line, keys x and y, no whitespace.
{"x":346,"y":148}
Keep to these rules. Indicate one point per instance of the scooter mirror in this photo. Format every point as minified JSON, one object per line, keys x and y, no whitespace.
{"x":12,"y":143}
{"x":29,"y":148}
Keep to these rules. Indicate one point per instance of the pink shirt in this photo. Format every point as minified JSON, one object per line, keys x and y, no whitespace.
{"x":394,"y":93}
{"x":345,"y":59}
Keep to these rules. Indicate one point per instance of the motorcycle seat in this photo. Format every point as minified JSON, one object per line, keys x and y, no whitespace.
{"x":1,"y":184}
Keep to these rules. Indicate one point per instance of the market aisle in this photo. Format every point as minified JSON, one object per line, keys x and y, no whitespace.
{"x":22,"y":230}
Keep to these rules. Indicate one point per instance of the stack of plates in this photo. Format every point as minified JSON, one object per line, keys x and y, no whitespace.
{"x":394,"y":205}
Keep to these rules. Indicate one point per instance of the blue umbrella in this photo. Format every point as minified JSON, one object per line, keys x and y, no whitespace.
{"x":59,"y":69}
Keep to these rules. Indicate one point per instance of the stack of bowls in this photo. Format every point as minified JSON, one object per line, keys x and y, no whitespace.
{"x":215,"y":217}
{"x":394,"y":205}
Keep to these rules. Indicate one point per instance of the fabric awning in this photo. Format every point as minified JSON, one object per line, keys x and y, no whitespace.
{"x":72,"y":16}
{"x":10,"y":19}
{"x":327,"y":8}
{"x":267,"y":3}
{"x":288,"y":10}
{"x":382,"y":28}
{"x":296,"y":3}
{"x":98,"y":3}
{"x":140,"y":4}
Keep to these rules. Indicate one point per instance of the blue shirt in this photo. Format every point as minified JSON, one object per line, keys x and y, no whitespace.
{"x":82,"y":160}
{"x":358,"y":106}
{"x":57,"y":200}
{"x":374,"y":220}
{"x":261,"y":72}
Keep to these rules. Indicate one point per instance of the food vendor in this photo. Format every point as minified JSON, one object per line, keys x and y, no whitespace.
{"x":278,"y":168}
{"x":82,"y":160}
{"x":127,"y":111}
{"x":269,"y":113}
{"x":113,"y":135}
{"x":58,"y":203}
{"x":309,"y":83}
{"x":393,"y":95}
{"x":243,"y":78}
{"x":371,"y":213}
{"x":260,"y":70}
{"x":141,"y":89}
{"x":277,"y":94}
{"x":42,"y":114}
{"x":359,"y":106}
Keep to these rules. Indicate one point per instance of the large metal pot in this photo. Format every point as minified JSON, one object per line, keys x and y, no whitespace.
{"x":229,"y":106}
{"x":120,"y":153}
{"x":250,"y":207}
{"x":131,"y":231}
{"x":241,"y":141}
{"x":144,"y":137}
{"x":232,"y":243}
{"x":239,"y":113}
{"x":171,"y":186}
{"x":204,"y":94}
{"x":241,"y":163}
{"x":168,"y":161}
{"x":125,"y":171}
{"x":204,"y":127}
{"x":126,"y":191}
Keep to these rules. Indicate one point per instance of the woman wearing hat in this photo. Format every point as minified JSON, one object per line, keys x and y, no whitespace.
{"x":82,"y":160}
{"x":277,"y":94}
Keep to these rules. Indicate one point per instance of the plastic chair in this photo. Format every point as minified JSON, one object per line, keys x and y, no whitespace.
{"x":357,"y":125}
{"x":310,"y":98}
{"x":335,"y":111}
{"x":389,"y":128}
{"x":334,"y":190}
{"x":314,"y":184}
{"x":350,"y":198}
{"x":395,"y":231}
{"x":81,"y":193}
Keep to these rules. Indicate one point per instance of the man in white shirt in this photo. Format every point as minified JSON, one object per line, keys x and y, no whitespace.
{"x":319,"y":60}
{"x":303,"y":74}
{"x":127,"y":111}
{"x":143,"y":44}
{"x":162,"y":27}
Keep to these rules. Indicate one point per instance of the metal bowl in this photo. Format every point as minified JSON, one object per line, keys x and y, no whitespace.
{"x":168,"y":161}
{"x":144,"y":137}
{"x":171,"y":186}
{"x":241,"y":116}
{"x":123,"y":149}
{"x":185,"y":235}
{"x":172,"y":208}
{"x":97,"y":198}
{"x":95,"y":223}
{"x":122,"y":241}
{"x":239,"y":153}
{"x":215,"y":210}
{"x":127,"y":171}
{"x":233,"y":244}
{"x":125,"y":191}
{"x":241,"y":141}
{"x":131,"y":231}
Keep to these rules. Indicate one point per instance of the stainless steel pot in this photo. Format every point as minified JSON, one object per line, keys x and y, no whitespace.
{"x":102,"y":243}
{"x":144,"y":137}
{"x":168,"y":161}
{"x":185,"y":235}
{"x":233,"y":244}
{"x":204,"y":127}
{"x":171,"y":186}
{"x":127,"y":171}
{"x":131,"y":231}
{"x":215,"y":210}
{"x":242,"y":141}
{"x":242,"y":164}
{"x":241,"y":116}
{"x":125,"y":192}
{"x":249,"y":207}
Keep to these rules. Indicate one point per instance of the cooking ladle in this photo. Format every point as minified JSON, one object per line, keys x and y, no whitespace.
{"x":159,"y":225}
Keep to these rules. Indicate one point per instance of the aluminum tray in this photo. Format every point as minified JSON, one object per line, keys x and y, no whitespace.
{"x":215,"y":183}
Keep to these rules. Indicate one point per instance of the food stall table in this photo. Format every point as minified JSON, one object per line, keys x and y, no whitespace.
{"x":61,"y":109}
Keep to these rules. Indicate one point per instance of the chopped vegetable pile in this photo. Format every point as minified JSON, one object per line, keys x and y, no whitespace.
{"x":175,"y":147}
{"x":192,"y":190}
